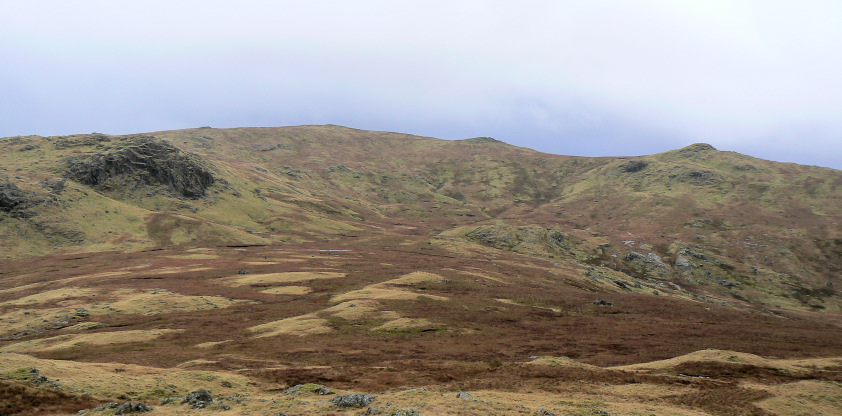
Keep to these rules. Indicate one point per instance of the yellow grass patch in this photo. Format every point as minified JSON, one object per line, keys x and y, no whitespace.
{"x":288,"y":290}
{"x":158,"y":301}
{"x":109,"y":380}
{"x":738,"y":358}
{"x":308,"y":324}
{"x":360,"y":309}
{"x":93,"y":276}
{"x":511,"y":302}
{"x":280,"y":278}
{"x":51,"y":295}
{"x":803,"y":398}
{"x":388,"y":290}
{"x":196,"y":363}
{"x":179,"y":269}
{"x":484,"y":276}
{"x":84,"y":326}
{"x":559,"y":361}
{"x":378,"y":293}
{"x":419,"y":324}
{"x":20,"y":288}
{"x":211,"y":344}
{"x":63,"y":342}
{"x":415,"y":278}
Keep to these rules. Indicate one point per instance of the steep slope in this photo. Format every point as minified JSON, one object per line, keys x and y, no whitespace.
{"x":719,"y":225}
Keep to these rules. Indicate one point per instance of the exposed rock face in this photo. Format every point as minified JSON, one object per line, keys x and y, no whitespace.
{"x":11,"y":196}
{"x":633,"y":166}
{"x":143,"y":160}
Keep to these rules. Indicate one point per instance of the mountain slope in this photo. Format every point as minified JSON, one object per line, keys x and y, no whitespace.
{"x":716,"y":223}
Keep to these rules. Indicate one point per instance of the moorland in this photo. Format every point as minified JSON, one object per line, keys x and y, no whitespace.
{"x":335,"y":271}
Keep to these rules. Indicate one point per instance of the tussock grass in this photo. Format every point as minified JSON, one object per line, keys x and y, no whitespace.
{"x":288,"y":290}
{"x":280,"y":278}
{"x":64,"y":342}
{"x":309,"y":324}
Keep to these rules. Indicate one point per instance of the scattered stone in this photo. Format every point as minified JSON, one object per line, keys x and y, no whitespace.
{"x":405,"y":412}
{"x":198,"y":399}
{"x":300,"y":389}
{"x":464,"y":395}
{"x":353,"y":400}
{"x":544,"y":412}
{"x":131,"y":407}
{"x":603,"y":302}
{"x":602,"y":412}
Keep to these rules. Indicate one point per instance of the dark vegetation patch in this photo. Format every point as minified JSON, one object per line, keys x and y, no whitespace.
{"x":725,"y":399}
{"x":20,"y":399}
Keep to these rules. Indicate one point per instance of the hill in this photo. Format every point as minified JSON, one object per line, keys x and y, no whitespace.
{"x":337,"y":253}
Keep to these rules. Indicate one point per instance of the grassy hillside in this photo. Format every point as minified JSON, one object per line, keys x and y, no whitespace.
{"x":248,"y":261}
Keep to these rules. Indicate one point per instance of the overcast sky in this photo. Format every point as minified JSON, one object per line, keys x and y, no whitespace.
{"x":589,"y":77}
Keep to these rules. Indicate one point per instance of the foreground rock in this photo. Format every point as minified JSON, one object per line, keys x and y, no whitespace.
{"x":198,"y":399}
{"x":353,"y":400}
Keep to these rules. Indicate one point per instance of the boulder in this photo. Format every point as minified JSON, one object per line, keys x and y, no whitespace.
{"x":198,"y":399}
{"x":353,"y":400}
{"x":131,"y":407}
{"x":464,"y":395}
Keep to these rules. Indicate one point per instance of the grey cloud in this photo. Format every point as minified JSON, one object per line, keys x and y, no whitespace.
{"x":593,"y":78}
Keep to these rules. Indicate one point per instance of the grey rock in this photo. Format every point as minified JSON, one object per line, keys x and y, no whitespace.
{"x":299,"y":389}
{"x":683,"y":264}
{"x":544,"y":412}
{"x":353,"y":400}
{"x":464,"y":395}
{"x":405,"y":412}
{"x":11,"y":196}
{"x":131,"y":407}
{"x":142,"y":160}
{"x":603,"y":302}
{"x":198,"y":399}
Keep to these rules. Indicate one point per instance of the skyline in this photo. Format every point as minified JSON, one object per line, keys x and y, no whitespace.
{"x":595,"y":78}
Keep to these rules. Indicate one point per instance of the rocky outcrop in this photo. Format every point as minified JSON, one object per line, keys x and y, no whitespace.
{"x":142,"y":160}
{"x":198,"y":399}
{"x":11,"y":196}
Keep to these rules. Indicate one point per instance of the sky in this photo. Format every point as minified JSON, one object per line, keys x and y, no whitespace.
{"x":588,"y":77}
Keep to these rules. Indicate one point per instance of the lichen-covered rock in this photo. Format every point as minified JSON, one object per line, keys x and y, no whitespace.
{"x":198,"y":399}
{"x":142,"y":160}
{"x":353,"y":400}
